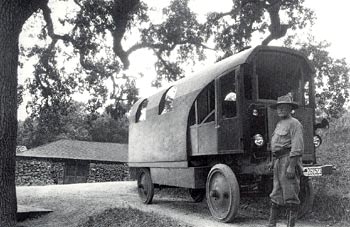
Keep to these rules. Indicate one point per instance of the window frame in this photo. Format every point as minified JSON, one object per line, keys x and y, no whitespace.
{"x":209,"y":103}
{"x":220,"y":93}
{"x":163,"y":109}
{"x":141,"y":111}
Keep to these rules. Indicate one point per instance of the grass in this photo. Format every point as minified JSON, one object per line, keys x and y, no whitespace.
{"x":129,"y":217}
{"x":332,"y":192}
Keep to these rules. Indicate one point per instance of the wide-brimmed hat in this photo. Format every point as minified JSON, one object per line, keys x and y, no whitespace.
{"x":286,"y":99}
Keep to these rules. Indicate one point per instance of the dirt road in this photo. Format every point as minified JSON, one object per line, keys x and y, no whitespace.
{"x":73,"y":204}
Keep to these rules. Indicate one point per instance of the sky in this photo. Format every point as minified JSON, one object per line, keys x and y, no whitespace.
{"x":330,"y":25}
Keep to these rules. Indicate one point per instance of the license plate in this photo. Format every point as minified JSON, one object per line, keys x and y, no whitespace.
{"x":312,"y":171}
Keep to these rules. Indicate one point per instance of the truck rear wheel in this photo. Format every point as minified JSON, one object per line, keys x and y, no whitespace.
{"x":145,"y":186}
{"x":306,"y":196}
{"x":222,"y":193}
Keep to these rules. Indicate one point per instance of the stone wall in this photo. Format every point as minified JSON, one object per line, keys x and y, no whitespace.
{"x":32,"y":171}
{"x":100,"y":172}
{"x":38,"y":172}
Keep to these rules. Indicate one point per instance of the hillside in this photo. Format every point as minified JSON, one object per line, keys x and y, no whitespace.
{"x":332,"y":200}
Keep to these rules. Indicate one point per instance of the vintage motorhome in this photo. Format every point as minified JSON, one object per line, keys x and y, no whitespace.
{"x":210,"y":132}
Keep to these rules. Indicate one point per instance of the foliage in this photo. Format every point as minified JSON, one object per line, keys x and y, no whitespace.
{"x":107,"y":129}
{"x":332,"y":199}
{"x":20,"y":90}
{"x":332,"y":78}
{"x":74,"y":123}
{"x":233,"y":30}
{"x":94,"y":35}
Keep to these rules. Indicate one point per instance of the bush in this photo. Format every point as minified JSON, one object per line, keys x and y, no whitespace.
{"x":332,"y":199}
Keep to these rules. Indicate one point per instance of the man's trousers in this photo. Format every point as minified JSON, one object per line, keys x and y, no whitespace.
{"x":285,"y":190}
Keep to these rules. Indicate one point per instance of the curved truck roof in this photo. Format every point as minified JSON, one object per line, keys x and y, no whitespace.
{"x":162,"y":139}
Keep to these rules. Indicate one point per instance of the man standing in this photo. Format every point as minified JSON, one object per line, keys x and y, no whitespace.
{"x":287,"y":148}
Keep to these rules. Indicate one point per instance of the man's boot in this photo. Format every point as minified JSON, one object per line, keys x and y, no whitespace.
{"x":292,"y":210}
{"x":274,"y":211}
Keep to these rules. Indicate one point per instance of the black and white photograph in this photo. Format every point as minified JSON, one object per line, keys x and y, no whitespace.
{"x":174,"y":113}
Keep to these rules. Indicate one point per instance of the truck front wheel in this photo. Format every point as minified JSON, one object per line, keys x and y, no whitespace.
{"x":222,"y":193}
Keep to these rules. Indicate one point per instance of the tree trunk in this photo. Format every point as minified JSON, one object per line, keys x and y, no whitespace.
{"x":8,"y":118}
{"x":13,"y":14}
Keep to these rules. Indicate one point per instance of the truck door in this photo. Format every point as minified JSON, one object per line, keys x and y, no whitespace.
{"x":202,"y":123}
{"x":229,"y":132}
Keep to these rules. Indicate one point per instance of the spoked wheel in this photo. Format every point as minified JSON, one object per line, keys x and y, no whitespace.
{"x":197,"y":194}
{"x":145,"y":186}
{"x":306,"y":196}
{"x":222,"y":192}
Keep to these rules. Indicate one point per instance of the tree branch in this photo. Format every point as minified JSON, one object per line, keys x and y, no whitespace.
{"x":165,"y":63}
{"x":277,"y":30}
{"x":139,"y":46}
{"x":78,"y":3}
{"x":121,"y":14}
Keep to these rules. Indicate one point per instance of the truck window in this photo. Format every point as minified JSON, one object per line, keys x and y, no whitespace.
{"x":247,"y":80}
{"x":279,"y":75}
{"x":205,"y":103}
{"x":167,"y":102}
{"x":307,"y":93}
{"x":141,"y":111}
{"x":228,"y":97}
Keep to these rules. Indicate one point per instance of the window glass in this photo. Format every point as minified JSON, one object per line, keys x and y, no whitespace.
{"x":141,"y":111}
{"x":307,"y":93}
{"x":192,"y":116}
{"x":273,"y":86}
{"x":206,"y":104}
{"x":278,"y":75}
{"x":247,"y":79}
{"x":228,"y":97}
{"x":167,"y":102}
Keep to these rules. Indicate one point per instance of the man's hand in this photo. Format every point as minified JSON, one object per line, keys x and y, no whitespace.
{"x":271,"y":164}
{"x":290,"y":172}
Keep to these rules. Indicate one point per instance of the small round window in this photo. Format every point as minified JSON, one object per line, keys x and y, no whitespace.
{"x":141,"y":111}
{"x":167,"y":102}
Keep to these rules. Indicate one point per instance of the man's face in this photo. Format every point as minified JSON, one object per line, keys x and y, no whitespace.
{"x":284,"y":110}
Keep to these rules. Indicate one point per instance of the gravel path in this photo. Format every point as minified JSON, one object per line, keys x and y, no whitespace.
{"x":74,"y":203}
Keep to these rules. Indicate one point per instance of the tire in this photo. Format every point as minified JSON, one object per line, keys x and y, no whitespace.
{"x":306,"y":196}
{"x":197,"y":194}
{"x":222,"y":193}
{"x":145,"y":186}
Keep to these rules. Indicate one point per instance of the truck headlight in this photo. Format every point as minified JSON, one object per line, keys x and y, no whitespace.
{"x":258,"y":140}
{"x":317,"y":141}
